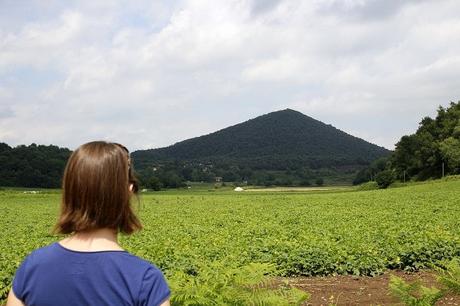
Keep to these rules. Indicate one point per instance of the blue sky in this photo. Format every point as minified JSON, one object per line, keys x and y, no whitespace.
{"x":151,"y":73}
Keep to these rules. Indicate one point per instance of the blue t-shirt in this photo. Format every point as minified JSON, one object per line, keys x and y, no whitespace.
{"x":54,"y":275}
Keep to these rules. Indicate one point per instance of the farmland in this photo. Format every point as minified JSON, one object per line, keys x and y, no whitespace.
{"x":299,"y":233}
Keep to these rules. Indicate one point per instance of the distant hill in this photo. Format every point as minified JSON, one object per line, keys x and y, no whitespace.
{"x":280,"y":148}
{"x":285,"y":140}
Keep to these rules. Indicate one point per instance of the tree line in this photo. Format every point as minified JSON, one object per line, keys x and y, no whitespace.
{"x":42,"y":166}
{"x":431,"y":152}
{"x":173,"y":174}
{"x":32,"y":166}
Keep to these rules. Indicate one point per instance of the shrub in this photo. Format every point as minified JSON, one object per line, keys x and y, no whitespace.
{"x":319,"y":182}
{"x":384,"y":178}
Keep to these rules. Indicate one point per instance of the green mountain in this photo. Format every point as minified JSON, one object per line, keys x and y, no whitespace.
{"x":284,"y":140}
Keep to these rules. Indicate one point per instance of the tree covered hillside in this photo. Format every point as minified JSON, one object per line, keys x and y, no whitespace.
{"x":280,"y":148}
{"x":288,"y":134}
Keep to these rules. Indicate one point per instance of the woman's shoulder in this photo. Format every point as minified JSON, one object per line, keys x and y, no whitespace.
{"x":54,"y":252}
{"x":40,"y":253}
{"x":127,"y":256}
{"x":149,"y":269}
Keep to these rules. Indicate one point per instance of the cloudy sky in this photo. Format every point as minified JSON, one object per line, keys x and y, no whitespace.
{"x":151,"y":73}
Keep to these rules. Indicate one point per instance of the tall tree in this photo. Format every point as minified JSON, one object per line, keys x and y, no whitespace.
{"x":436,"y":141}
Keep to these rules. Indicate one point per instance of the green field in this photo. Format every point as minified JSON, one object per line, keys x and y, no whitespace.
{"x":301,"y":233}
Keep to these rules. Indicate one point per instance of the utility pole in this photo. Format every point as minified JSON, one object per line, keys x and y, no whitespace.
{"x":404,"y":176}
{"x":442,"y":169}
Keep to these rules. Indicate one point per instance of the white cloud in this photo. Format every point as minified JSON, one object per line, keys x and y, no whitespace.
{"x":152,"y":74}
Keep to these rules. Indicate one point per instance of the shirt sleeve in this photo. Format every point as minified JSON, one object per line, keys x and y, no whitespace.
{"x":19,"y":279}
{"x":154,"y":290}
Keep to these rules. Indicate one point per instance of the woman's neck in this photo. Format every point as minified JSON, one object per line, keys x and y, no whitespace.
{"x":103,"y":239}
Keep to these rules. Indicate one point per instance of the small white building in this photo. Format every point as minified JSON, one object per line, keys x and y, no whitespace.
{"x":238,"y":189}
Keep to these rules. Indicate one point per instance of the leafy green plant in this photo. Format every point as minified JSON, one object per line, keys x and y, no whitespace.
{"x":413,"y":294}
{"x":301,"y":233}
{"x":215,"y":284}
{"x":450,"y":277}
{"x":384,"y":178}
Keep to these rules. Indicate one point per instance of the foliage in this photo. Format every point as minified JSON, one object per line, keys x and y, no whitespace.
{"x":319,"y":182}
{"x":450,"y":277}
{"x":216,"y":284}
{"x":450,"y":151}
{"x":32,"y":166}
{"x":369,"y":173}
{"x":384,"y":178}
{"x":288,"y":145}
{"x":435,"y":142}
{"x":368,"y":186}
{"x":418,"y":295}
{"x":421,"y":156}
{"x":413,"y":294}
{"x":312,"y":233}
{"x":153,"y":183}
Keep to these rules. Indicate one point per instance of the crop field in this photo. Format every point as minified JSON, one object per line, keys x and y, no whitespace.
{"x":298,"y":233}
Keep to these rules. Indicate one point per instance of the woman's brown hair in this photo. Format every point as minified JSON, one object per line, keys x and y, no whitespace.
{"x":96,"y":190}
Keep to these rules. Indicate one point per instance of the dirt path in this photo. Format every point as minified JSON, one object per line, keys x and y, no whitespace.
{"x":350,"y":290}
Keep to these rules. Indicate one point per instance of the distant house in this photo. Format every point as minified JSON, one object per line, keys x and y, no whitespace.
{"x":218,"y":179}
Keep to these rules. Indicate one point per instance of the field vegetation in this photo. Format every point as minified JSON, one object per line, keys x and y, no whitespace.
{"x":200,"y":237}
